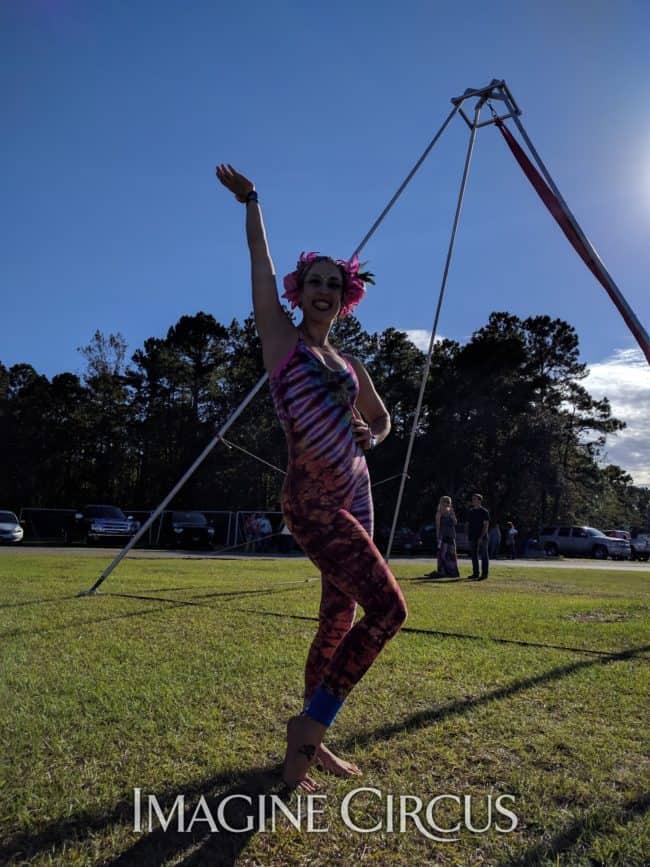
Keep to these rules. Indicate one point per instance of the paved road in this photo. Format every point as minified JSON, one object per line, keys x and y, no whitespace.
{"x":108,"y":554}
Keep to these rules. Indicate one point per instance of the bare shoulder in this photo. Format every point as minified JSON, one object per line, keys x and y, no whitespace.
{"x":359,"y":369}
{"x":365,"y":380}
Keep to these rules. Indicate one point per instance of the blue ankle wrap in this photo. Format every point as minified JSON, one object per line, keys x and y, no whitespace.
{"x":323,"y":706}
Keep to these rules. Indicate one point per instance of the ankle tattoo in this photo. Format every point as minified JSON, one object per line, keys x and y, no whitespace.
{"x":307,"y":750}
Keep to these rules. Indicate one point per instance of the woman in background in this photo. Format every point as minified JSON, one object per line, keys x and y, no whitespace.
{"x":446,"y":536}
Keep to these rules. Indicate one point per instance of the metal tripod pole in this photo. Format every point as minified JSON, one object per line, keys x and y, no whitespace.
{"x":427,"y":367}
{"x":406,"y":180}
{"x":206,"y":451}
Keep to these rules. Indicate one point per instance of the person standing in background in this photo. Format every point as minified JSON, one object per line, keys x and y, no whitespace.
{"x":479,"y":521}
{"x":511,"y":540}
{"x":494,"y":540}
{"x":446,"y":539}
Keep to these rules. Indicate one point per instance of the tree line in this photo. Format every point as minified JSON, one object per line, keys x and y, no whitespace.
{"x":505,"y":414}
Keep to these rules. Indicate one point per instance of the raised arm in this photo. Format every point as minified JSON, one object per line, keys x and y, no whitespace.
{"x":275,"y":329}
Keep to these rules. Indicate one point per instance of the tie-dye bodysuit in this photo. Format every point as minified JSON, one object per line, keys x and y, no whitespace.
{"x":327,"y":505}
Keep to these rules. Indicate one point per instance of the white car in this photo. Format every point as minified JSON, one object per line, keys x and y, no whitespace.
{"x":10,"y":529}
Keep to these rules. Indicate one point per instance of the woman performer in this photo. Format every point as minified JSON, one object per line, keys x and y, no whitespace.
{"x":330,"y":413}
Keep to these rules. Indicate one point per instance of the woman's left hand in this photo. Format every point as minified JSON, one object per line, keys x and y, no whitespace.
{"x":361,"y":431}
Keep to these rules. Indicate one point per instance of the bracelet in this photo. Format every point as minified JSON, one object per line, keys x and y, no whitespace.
{"x":251,"y":197}
{"x":373,"y":441}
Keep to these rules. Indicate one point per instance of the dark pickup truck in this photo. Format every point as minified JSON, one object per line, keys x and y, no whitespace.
{"x":96,"y":523}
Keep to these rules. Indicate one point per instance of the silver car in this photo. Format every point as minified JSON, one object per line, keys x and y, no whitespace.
{"x":10,"y":529}
{"x":583,"y":542}
{"x":640,"y":545}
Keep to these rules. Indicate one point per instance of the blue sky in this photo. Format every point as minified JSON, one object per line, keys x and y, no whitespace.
{"x":115,"y":114}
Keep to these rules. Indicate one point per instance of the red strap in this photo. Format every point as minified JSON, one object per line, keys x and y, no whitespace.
{"x":565,"y":222}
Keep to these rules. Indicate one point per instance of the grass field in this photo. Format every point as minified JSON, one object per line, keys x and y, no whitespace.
{"x":180,"y":678}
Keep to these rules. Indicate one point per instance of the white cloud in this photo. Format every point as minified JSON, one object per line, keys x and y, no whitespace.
{"x":422,"y":338}
{"x":624,"y":378}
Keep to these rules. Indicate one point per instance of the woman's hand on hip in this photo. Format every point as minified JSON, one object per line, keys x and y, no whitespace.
{"x":361,"y":432}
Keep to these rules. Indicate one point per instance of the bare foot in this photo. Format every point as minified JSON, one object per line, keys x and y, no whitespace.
{"x":304,"y":736}
{"x":335,"y":765}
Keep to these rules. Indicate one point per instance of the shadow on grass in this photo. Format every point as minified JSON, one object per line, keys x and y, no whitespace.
{"x":456,"y":708}
{"x":169,"y":589}
{"x":91,"y":621}
{"x":183,"y":589}
{"x":164,"y":605}
{"x":202,"y":845}
{"x":36,"y":601}
{"x":584,"y":830}
{"x":159,"y":845}
{"x":156,"y":846}
{"x":434,"y":578}
{"x":168,"y":604}
{"x":222,"y":594}
{"x":292,"y":586}
{"x":413,"y":630}
{"x":74,"y":596}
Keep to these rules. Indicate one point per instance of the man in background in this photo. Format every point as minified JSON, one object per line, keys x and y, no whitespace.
{"x":477,"y":531}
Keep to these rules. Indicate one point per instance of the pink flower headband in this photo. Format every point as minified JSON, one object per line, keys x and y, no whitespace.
{"x":353,"y":290}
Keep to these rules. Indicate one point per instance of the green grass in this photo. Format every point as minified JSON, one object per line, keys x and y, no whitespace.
{"x":534,"y":683}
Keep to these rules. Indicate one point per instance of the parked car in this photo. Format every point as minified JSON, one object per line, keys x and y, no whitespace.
{"x":96,"y":523}
{"x":463,"y":545}
{"x":583,"y":542}
{"x":186,"y":530}
{"x":10,"y":530}
{"x":405,"y":542}
{"x":618,"y":534}
{"x":640,"y":546}
{"x":429,"y":544}
{"x":428,"y":539}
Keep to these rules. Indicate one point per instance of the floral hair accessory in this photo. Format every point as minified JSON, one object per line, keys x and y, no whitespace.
{"x":354,"y":280}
